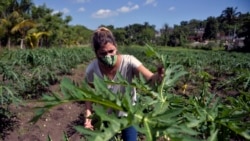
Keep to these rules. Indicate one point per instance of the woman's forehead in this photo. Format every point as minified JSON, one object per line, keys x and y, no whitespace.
{"x":108,"y":46}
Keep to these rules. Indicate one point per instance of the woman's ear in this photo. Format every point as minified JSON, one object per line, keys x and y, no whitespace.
{"x":95,"y":52}
{"x":117,"y":52}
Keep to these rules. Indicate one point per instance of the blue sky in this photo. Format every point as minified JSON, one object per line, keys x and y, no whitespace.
{"x":120,"y":13}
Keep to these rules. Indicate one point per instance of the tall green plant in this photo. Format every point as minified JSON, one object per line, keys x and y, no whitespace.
{"x":158,"y":112}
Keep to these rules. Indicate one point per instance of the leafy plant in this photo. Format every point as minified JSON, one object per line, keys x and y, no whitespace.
{"x":158,"y":113}
{"x":7,"y":96}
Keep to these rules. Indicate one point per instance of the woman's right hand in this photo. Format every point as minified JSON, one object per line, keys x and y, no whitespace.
{"x":88,"y":124}
{"x":88,"y":113}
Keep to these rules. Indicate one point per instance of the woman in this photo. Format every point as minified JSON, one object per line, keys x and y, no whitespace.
{"x":107,"y":63}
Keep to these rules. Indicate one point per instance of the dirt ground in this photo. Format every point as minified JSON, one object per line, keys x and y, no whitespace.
{"x":57,"y":122}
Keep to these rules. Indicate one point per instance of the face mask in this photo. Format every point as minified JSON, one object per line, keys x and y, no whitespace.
{"x":109,"y":60}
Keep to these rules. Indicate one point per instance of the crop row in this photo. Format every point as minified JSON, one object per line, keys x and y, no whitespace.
{"x":187,"y":104}
{"x":28,"y":73}
{"x":163,"y":112}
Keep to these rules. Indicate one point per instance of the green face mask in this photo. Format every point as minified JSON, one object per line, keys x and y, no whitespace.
{"x":109,"y":60}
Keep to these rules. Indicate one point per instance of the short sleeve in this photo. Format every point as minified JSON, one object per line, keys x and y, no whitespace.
{"x":134,"y":61}
{"x":91,"y":70}
{"x":88,"y":74}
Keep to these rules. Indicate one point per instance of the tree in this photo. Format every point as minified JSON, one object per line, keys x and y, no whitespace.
{"x":7,"y":17}
{"x":41,"y":14}
{"x":82,"y":35}
{"x":229,"y":18}
{"x":140,"y":34}
{"x":33,"y":38}
{"x":13,"y":12}
{"x":24,"y":8}
{"x":196,"y":28}
{"x":120,"y":36}
{"x":245,"y":31}
{"x":23,"y":28}
{"x":164,"y":31}
{"x":229,"y":15}
{"x":179,"y":36}
{"x":211,"y":28}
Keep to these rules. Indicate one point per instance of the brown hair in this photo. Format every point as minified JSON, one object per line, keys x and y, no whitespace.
{"x":101,"y":37}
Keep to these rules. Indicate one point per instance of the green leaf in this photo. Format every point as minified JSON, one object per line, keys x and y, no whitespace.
{"x":213,"y":136}
{"x":38,"y":114}
{"x":168,"y":117}
{"x":65,"y":137}
{"x":160,"y":108}
{"x":49,"y":138}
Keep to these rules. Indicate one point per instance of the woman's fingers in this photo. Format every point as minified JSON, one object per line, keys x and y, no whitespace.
{"x":89,"y":126}
{"x":160,"y":71}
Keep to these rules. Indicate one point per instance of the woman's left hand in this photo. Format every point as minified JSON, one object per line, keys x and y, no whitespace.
{"x":158,"y":76}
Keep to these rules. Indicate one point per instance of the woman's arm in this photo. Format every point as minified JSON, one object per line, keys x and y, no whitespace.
{"x":145,"y":72}
{"x":151,"y":77}
{"x":88,"y":113}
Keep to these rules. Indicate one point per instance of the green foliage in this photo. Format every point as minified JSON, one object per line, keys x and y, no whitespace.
{"x":27,"y":74}
{"x":211,"y":28}
{"x":7,"y":96}
{"x":15,"y":16}
{"x":158,"y":112}
{"x":65,"y":137}
{"x":161,"y":111}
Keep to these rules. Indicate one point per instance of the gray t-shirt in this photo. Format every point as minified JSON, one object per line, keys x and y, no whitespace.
{"x":127,"y":69}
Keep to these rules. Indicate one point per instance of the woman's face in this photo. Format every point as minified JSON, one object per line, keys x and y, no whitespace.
{"x":107,"y":49}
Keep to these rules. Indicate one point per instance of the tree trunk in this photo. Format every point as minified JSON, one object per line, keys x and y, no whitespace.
{"x":40,"y":43}
{"x":8,"y":44}
{"x":21,"y":44}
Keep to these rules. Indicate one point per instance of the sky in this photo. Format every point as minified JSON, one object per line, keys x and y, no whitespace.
{"x":121,"y":13}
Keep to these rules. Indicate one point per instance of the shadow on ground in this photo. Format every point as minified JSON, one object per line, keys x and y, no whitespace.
{"x":8,"y":122}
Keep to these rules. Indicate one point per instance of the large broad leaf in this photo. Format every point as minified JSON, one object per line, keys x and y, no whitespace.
{"x":110,"y":125}
{"x":25,"y":24}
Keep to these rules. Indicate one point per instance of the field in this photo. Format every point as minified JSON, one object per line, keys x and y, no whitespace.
{"x":207,"y":91}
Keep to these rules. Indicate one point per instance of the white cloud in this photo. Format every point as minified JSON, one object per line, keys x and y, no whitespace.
{"x":130,"y":3}
{"x":65,"y":10}
{"x":81,"y":9}
{"x":55,"y":12}
{"x":126,"y":9}
{"x":82,"y":1}
{"x":155,"y":4}
{"x":172,"y":8}
{"x":123,"y":9}
{"x":135,"y":7}
{"x":104,"y":13}
{"x":149,"y":1}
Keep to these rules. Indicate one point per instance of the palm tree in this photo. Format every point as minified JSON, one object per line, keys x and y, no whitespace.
{"x":23,"y":28}
{"x":33,"y":38}
{"x":165,"y":34}
{"x":7,"y":15}
{"x":229,"y":17}
{"x":211,"y":28}
{"x":12,"y":12}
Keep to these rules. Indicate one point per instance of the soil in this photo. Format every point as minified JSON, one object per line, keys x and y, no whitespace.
{"x":56,"y":123}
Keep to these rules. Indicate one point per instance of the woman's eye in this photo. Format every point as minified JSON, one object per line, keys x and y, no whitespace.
{"x":104,"y":53}
{"x":111,"y":51}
